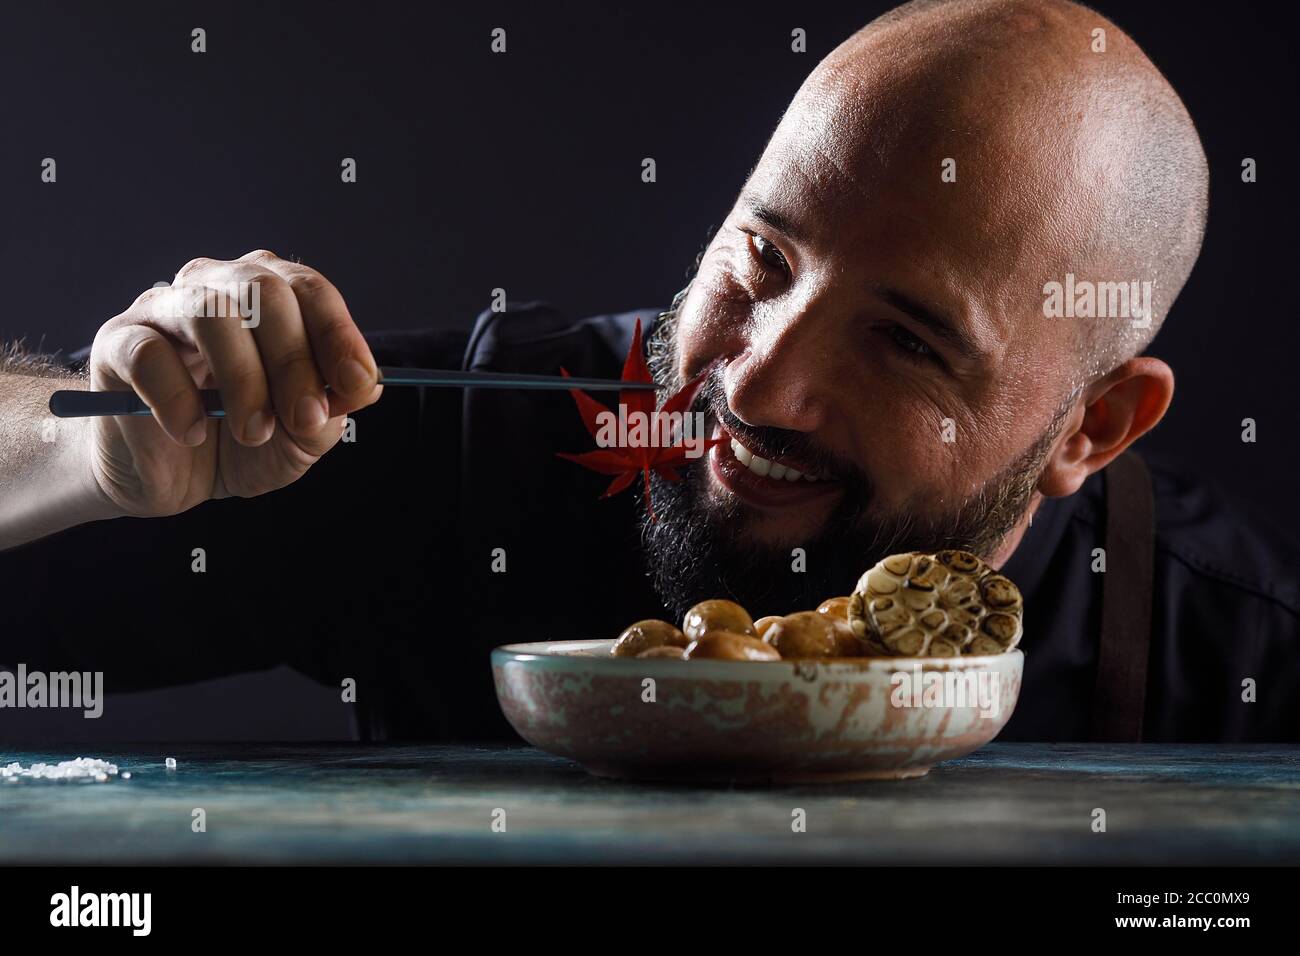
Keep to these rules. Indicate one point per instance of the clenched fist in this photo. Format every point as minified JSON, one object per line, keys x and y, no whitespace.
{"x":271,"y":367}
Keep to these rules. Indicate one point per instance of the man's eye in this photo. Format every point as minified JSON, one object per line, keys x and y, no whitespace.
{"x":769,"y":254}
{"x":909,"y":343}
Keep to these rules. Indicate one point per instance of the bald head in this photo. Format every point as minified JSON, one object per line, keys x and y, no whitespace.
{"x":1098,"y":163}
{"x":877,"y":309}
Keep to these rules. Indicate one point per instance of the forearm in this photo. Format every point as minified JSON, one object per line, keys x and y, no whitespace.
{"x":46,"y":483}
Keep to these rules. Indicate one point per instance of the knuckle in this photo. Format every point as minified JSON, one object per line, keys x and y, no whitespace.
{"x":337,"y":338}
{"x":270,"y":285}
{"x":245,"y":380}
{"x":142,"y":349}
{"x":106,"y":330}
{"x":295,"y":363}
{"x":239,"y":278}
{"x":259,"y":255}
{"x":267,"y":297}
{"x":308,"y":282}
{"x":194,"y":267}
{"x":175,"y":396}
{"x":152,"y":293}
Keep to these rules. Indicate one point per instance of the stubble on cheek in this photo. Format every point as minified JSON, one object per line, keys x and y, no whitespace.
{"x":711,"y":315}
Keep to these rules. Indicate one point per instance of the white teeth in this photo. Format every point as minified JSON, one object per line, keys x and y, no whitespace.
{"x":766,"y":467}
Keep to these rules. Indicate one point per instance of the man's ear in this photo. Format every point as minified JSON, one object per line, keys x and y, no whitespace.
{"x":1117,"y":410}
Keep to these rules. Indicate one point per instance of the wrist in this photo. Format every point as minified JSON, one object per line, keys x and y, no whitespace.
{"x":85,"y":497}
{"x":47,"y":484}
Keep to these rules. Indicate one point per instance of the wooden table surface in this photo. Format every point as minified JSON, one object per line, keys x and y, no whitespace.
{"x":326,"y":803}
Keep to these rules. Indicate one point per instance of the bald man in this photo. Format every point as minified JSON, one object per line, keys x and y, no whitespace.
{"x":919,"y":326}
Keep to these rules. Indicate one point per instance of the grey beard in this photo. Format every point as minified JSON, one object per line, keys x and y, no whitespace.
{"x":696,"y":549}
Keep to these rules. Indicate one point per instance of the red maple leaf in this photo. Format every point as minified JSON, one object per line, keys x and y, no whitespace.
{"x":626,"y":461}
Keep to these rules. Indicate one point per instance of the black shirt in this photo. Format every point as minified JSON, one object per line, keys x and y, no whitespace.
{"x":378,"y":565}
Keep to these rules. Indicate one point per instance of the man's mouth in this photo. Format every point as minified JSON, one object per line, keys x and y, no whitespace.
{"x":765,"y":480}
{"x":767,"y":467}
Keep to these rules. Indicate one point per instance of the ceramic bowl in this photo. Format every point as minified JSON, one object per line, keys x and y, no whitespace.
{"x":806,"y":720}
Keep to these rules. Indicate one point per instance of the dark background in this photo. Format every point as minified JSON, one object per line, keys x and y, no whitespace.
{"x":522,"y":171}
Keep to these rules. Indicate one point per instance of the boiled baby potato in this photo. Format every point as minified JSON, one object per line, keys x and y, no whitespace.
{"x":847,"y":644}
{"x":836,"y":607}
{"x":729,"y":646}
{"x":717,"y":615}
{"x":646,"y":635}
{"x":664,"y":651}
{"x":803,"y":634}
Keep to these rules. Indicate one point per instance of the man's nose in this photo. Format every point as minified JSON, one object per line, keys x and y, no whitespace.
{"x":783,"y":378}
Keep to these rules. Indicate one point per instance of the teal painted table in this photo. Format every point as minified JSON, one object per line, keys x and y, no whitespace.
{"x":322,"y":803}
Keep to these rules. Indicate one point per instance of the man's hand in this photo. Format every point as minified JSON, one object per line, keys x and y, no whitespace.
{"x":272,"y":377}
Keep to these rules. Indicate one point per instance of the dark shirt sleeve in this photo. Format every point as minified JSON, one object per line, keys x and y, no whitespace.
{"x":318,"y":575}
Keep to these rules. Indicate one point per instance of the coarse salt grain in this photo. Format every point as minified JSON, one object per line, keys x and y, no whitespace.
{"x":83,"y":768}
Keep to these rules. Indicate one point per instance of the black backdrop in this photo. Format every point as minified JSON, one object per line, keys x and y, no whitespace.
{"x":522,"y":170}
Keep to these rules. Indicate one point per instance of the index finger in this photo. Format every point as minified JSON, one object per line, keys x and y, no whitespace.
{"x":341,"y":352}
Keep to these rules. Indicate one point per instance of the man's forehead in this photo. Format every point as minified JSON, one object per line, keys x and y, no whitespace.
{"x":970,"y":149}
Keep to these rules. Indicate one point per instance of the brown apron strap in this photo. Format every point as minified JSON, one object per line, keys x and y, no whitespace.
{"x":1127,"y":587}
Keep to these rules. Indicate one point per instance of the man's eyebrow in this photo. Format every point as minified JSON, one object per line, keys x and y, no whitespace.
{"x":939,"y":325}
{"x":778,"y":221}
